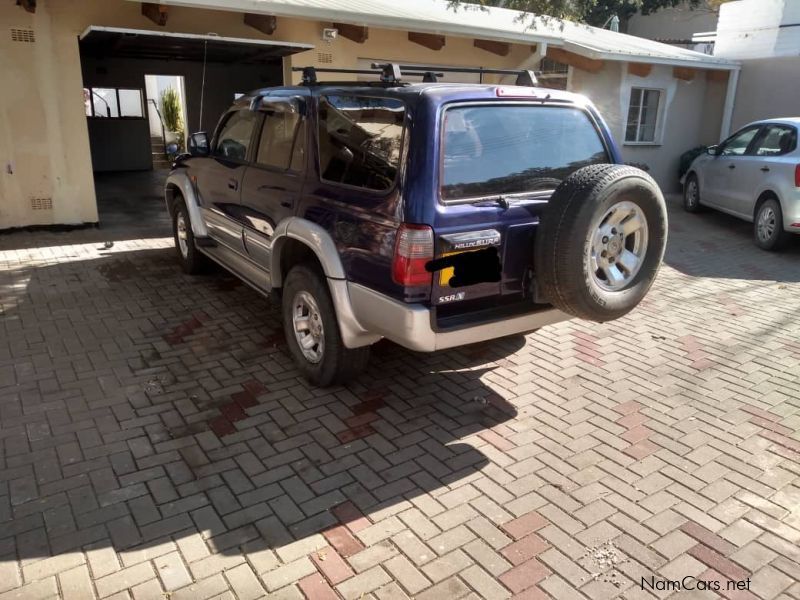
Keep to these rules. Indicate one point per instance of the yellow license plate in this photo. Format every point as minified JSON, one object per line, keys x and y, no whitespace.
{"x":447,"y":273}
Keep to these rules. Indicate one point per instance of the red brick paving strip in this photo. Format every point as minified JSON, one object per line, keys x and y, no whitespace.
{"x":315,"y":587}
{"x":527,"y":523}
{"x":707,"y":537}
{"x":351,"y":516}
{"x":525,"y":549}
{"x":718,"y":562}
{"x":524,"y":576}
{"x":343,"y":541}
{"x":330,"y":564}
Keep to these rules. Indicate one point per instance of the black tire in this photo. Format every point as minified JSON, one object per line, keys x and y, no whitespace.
{"x":769,"y":234}
{"x":691,"y":194}
{"x":192,"y":261}
{"x":572,"y":227}
{"x":337,"y":363}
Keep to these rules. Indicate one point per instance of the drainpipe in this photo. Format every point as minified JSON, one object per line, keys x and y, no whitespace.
{"x":730,"y":97}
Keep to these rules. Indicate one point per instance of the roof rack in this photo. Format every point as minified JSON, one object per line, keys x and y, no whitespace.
{"x":392,"y":73}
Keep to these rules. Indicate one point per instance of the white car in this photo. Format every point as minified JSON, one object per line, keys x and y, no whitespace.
{"x":753,"y":175}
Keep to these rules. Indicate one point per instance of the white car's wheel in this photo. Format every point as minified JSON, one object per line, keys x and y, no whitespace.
{"x":691,"y":194}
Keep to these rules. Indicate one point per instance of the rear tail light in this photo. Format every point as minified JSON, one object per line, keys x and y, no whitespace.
{"x":412,"y":251}
{"x":797,"y":176}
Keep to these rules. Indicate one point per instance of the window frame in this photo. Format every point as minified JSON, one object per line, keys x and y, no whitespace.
{"x":403,"y":145}
{"x":302,"y":107}
{"x":91,"y":89}
{"x":660,"y":110}
{"x":545,"y":194}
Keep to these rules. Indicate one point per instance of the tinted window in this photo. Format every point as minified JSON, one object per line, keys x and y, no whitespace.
{"x":234,"y":137}
{"x":280,"y":136}
{"x":491,"y":150}
{"x":737,"y":144}
{"x":360,"y":140}
{"x":775,"y":140}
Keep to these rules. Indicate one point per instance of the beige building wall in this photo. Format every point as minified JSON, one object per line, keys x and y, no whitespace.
{"x":44,"y":146}
{"x":768,"y":88}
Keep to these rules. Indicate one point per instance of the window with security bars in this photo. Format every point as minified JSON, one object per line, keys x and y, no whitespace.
{"x":642,"y":124}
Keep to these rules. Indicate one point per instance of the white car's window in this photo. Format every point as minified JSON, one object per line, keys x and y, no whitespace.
{"x":775,"y":140}
{"x":737,"y":145}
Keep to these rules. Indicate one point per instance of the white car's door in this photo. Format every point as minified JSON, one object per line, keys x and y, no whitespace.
{"x":721,"y":183}
{"x":772,"y":143}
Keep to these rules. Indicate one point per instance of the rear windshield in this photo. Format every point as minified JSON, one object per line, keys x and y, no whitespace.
{"x":360,"y":140}
{"x":513,"y":149}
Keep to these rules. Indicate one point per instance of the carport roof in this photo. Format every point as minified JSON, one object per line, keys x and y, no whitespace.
{"x":435,"y":16}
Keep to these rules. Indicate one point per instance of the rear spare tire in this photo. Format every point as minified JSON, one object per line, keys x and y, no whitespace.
{"x":600,"y":241}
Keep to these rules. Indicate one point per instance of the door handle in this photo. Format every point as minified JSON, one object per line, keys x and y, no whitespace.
{"x":765,"y":169}
{"x":233,"y":184}
{"x":731,"y":166}
{"x":287,"y":203}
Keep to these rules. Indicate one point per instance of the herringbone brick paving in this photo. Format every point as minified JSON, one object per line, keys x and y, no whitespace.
{"x":157,"y":443}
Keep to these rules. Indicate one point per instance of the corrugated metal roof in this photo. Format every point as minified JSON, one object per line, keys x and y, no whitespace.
{"x":435,"y":16}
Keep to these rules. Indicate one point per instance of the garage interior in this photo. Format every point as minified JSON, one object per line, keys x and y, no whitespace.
{"x":123,"y":68}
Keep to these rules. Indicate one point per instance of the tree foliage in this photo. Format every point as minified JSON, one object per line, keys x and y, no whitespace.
{"x":593,"y":12}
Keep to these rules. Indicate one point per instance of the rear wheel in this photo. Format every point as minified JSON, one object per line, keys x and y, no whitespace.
{"x":691,"y":194}
{"x":312,"y":331}
{"x":191,"y":260}
{"x":601,"y":241}
{"x":768,"y":226}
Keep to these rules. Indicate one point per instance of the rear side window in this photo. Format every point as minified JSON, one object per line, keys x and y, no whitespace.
{"x":513,"y":149}
{"x":360,"y":139}
{"x":775,"y":140}
{"x":235,"y":135}
{"x":282,"y":138}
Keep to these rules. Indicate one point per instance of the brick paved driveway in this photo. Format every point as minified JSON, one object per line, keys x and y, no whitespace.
{"x":156,"y":442}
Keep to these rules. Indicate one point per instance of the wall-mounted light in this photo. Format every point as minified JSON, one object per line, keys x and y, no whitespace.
{"x":329,"y":34}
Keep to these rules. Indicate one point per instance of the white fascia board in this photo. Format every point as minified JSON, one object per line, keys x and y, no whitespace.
{"x":642,"y":57}
{"x":196,"y":36}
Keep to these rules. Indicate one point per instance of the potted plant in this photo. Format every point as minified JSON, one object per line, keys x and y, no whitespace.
{"x":173,"y":121}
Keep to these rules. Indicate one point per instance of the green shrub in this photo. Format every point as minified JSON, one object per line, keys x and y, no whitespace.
{"x":687,"y":158}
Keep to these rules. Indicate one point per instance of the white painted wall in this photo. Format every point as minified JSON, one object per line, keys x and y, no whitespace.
{"x":683,"y":121}
{"x":758,"y":29}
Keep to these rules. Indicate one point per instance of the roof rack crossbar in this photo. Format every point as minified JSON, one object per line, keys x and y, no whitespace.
{"x":392,"y":73}
{"x":525,"y":77}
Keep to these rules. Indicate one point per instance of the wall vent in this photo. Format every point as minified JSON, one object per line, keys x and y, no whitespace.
{"x":42,"y":203}
{"x":22,"y":35}
{"x":324,"y":58}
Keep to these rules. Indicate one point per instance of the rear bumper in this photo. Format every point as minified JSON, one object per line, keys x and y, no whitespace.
{"x":410,"y":324}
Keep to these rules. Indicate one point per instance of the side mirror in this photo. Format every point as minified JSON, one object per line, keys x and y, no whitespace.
{"x":198,"y":144}
{"x":713,"y":150}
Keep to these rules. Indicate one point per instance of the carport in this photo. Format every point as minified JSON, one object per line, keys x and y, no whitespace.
{"x":126,"y":129}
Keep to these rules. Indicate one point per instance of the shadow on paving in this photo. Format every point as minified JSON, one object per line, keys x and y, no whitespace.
{"x":714,"y":244}
{"x":154,"y":405}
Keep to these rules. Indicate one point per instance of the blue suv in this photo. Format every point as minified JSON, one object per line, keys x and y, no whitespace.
{"x":431,"y":214}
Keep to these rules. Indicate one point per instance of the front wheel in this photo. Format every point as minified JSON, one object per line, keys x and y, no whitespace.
{"x":191,"y":260}
{"x":312,"y":331}
{"x":768,"y":226}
